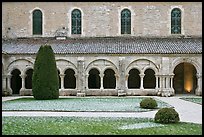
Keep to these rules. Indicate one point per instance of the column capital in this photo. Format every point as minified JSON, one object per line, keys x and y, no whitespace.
{"x":101,"y":75}
{"x":23,"y":75}
{"x":9,"y":76}
{"x":141,"y":75}
{"x":61,"y":75}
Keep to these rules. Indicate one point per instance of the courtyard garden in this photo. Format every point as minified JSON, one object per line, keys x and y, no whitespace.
{"x":94,"y":126}
{"x":62,"y":125}
{"x":82,"y":104}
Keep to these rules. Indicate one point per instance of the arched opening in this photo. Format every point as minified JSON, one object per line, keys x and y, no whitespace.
{"x":28,"y":79}
{"x":134,"y":79}
{"x":94,"y":81}
{"x":76,"y":21}
{"x":59,"y":79}
{"x":149,"y":79}
{"x":16,"y":81}
{"x":69,"y":79}
{"x":125,"y":21}
{"x":109,"y":80}
{"x":37,"y":22}
{"x":185,"y":80}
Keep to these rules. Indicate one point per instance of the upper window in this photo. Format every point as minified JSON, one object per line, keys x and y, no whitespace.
{"x":76,"y":21}
{"x":125,"y":21}
{"x":176,"y":21}
{"x":37,"y":22}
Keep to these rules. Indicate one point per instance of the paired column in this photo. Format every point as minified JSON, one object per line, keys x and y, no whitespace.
{"x":9,"y":84}
{"x":101,"y":76}
{"x":62,"y":80}
{"x":141,"y":80}
{"x":23,"y":81}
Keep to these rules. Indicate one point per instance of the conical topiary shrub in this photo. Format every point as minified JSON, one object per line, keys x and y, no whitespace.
{"x":45,"y":80}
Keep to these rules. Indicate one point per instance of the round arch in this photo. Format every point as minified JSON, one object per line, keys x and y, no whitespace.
{"x":185,"y":79}
{"x":142,"y":64}
{"x":149,"y":79}
{"x":16,"y":81}
{"x":109,"y":79}
{"x":94,"y":80}
{"x":133,"y":79}
{"x":103,"y":65}
{"x":69,"y":79}
{"x":195,"y":63}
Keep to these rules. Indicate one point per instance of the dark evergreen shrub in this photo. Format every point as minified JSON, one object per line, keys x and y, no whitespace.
{"x":166,"y":115}
{"x":148,"y":103}
{"x":45,"y":82}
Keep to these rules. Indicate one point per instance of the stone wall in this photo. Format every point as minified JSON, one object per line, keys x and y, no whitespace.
{"x":101,"y":19}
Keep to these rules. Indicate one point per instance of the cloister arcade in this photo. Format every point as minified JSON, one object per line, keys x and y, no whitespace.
{"x":102,"y":76}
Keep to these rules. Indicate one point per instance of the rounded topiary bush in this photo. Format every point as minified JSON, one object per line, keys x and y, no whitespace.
{"x":149,"y":103}
{"x":45,"y":82}
{"x":166,"y":115}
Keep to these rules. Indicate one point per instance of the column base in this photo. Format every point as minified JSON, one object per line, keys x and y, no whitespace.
{"x":121,"y":93}
{"x":81,"y":95}
{"x":198,"y":92}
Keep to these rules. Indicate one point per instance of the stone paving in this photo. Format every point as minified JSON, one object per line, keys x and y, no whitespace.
{"x":188,"y":111}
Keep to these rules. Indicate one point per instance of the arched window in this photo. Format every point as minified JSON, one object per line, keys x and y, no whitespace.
{"x":94,"y":80}
{"x":125,"y":21}
{"x":37,"y":22}
{"x":76,"y":21}
{"x":109,"y":80}
{"x":70,"y":79}
{"x":16,"y":81}
{"x":28,"y":79}
{"x":149,"y":79}
{"x":176,"y":21}
{"x":134,"y":79}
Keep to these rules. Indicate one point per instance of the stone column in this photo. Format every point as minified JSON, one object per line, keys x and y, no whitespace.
{"x":126,"y":81}
{"x":167,"y":82}
{"x":164,"y":82}
{"x":3,"y":83}
{"x":86,"y":81}
{"x":157,"y":81}
{"x":122,"y":81}
{"x":62,"y":80}
{"x":76,"y":77}
{"x":22,"y":90}
{"x":171,"y":87}
{"x":101,"y":76}
{"x":23,"y":81}
{"x":199,"y":88}
{"x":9,"y":84}
{"x":141,"y":80}
{"x":116,"y":82}
{"x":81,"y":77}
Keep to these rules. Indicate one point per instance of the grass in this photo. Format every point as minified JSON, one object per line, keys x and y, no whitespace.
{"x":91,"y":126}
{"x":197,"y":100}
{"x":116,"y":104}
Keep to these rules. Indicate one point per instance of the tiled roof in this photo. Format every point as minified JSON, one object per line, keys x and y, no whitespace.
{"x":115,"y":45}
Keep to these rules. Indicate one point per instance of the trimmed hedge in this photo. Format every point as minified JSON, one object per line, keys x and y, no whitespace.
{"x":148,"y":103}
{"x":166,"y":115}
{"x":45,"y":80}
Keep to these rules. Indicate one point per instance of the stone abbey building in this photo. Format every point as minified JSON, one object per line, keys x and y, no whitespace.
{"x":105,"y":48}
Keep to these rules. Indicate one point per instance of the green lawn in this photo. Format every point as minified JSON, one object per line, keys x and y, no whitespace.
{"x":120,"y":104}
{"x":197,"y":100}
{"x":93,"y":126}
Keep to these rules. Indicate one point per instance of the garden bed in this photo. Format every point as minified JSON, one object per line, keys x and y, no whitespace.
{"x":82,"y":104}
{"x":93,"y":126}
